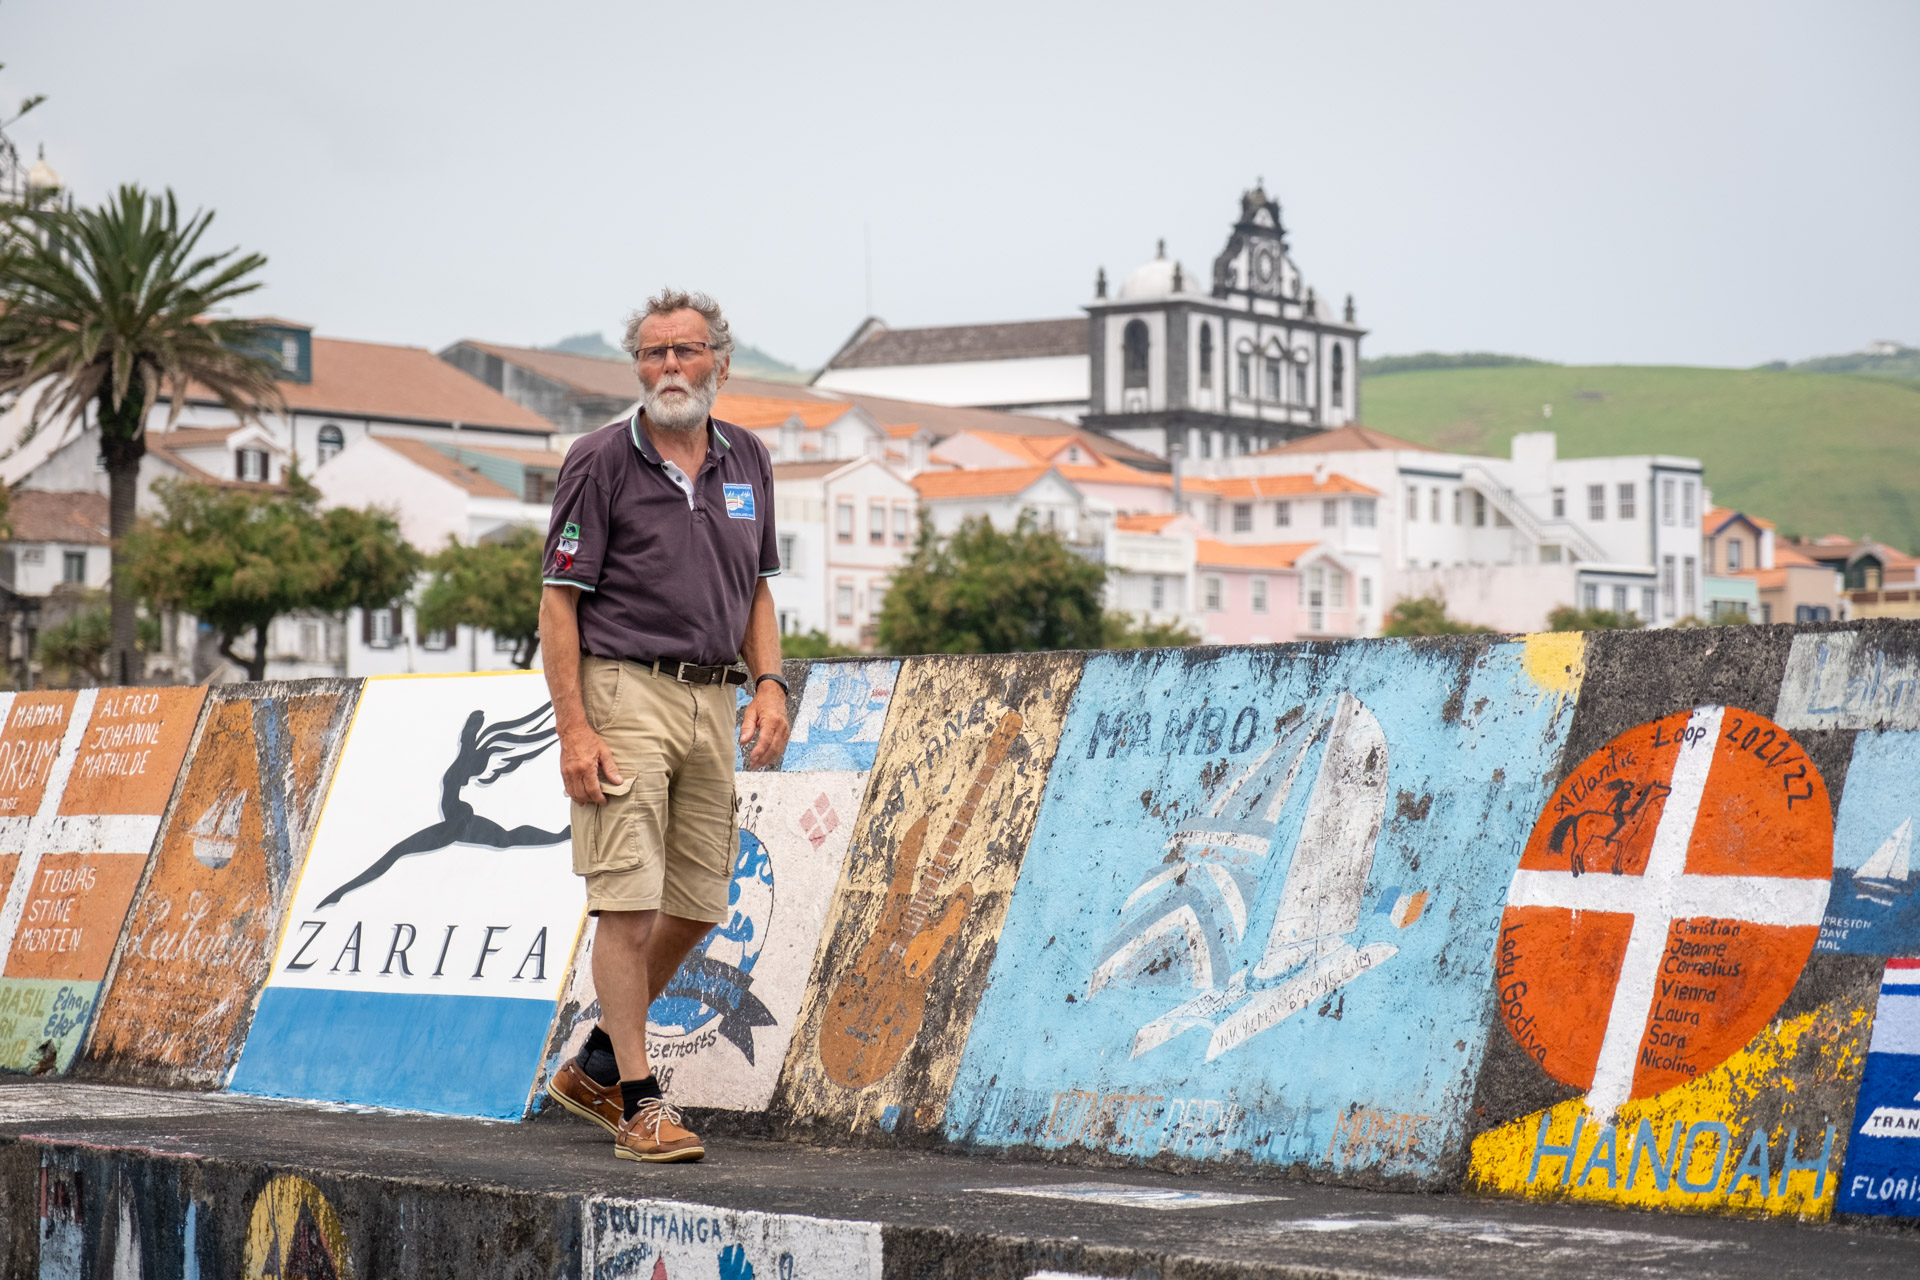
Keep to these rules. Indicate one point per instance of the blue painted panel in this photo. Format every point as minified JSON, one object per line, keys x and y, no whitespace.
{"x":1874,"y":906}
{"x":842,"y":710}
{"x":459,"y":1055}
{"x":1257,"y":917}
{"x":1883,"y":1155}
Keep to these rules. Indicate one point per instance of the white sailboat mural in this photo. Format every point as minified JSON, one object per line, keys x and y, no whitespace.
{"x":217,"y":834}
{"x":1186,"y":921}
{"x":1883,"y":876}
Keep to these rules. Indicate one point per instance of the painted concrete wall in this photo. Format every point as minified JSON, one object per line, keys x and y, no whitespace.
{"x":1611,"y":918}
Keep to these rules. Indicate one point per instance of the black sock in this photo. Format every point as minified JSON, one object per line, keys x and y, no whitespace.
{"x":597,"y":1060}
{"x":634,"y":1092}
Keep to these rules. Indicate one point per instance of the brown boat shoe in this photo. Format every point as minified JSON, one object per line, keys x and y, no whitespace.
{"x":655,"y":1135}
{"x":575,"y":1090}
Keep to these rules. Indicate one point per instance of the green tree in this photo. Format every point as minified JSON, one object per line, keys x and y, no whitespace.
{"x":111,"y":308}
{"x":1567,"y":618}
{"x":1124,"y":631}
{"x":813,"y":644}
{"x":494,"y":585}
{"x":985,"y":591}
{"x":237,"y":558}
{"x":79,"y":646}
{"x":1425,"y":616}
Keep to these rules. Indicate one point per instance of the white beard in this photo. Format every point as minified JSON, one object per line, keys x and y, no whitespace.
{"x":681,"y":413}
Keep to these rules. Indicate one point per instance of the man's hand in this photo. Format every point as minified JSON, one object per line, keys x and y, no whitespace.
{"x":764,"y":724}
{"x":585,"y":758}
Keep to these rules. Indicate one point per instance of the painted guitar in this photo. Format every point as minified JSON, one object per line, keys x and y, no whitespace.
{"x":877,"y":1009}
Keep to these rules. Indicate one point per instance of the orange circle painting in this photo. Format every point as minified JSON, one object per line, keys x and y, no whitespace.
{"x":1666,"y":903}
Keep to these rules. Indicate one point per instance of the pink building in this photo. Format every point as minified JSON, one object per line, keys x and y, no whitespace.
{"x":1264,"y":593}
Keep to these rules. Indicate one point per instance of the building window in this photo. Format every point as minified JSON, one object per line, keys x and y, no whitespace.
{"x":843,"y":522}
{"x":1282,"y":515}
{"x":1549,"y":553}
{"x":380,"y":628}
{"x":1667,"y":584}
{"x":1435,"y":505}
{"x":1258,"y":594}
{"x":250,"y":465}
{"x":1211,"y":593}
{"x":830,"y":446}
{"x":1243,"y":517}
{"x":902,"y":523}
{"x":1590,"y":596}
{"x":73,"y":566}
{"x":328,"y":444}
{"x":1686,"y":503}
{"x":1273,"y":379}
{"x":1336,"y":589}
{"x":310,"y":641}
{"x":1329,"y":512}
{"x":1206,"y":444}
{"x":1206,"y":355}
{"x":1619,"y":599}
{"x":1459,"y":496}
{"x":1810,"y":613}
{"x":876,"y":597}
{"x":1244,"y":376}
{"x":1365,"y":516}
{"x":843,"y":602}
{"x":1134,"y":356}
{"x":436,"y":639}
{"x":1596,"y":502}
{"x":1733,"y":556}
{"x":1339,"y":376}
{"x":1479,"y":509}
{"x":1666,"y":502}
{"x":786,"y":552}
{"x":290,"y":353}
{"x":1158,"y":593}
{"x":1646,"y":603}
{"x":1625,"y":493}
{"x":1366,"y":593}
{"x":1559,"y":503}
{"x":1686,"y":583}
{"x":1313,"y":593}
{"x":1299,"y":384}
{"x":1413,"y":503}
{"x":877,"y":523}
{"x":539,"y":486}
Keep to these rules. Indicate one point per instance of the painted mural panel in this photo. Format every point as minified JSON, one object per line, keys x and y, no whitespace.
{"x":1257,"y":918}
{"x":1847,"y":680}
{"x":671,"y":1240}
{"x":1654,"y":962}
{"x":199,"y":940}
{"x":956,"y":786}
{"x":1883,"y":1155}
{"x":86,"y":852}
{"x":435,"y":910}
{"x":719,"y":1034}
{"x":1874,"y":904}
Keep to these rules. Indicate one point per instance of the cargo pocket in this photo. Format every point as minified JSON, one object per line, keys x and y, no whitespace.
{"x":611,"y":831}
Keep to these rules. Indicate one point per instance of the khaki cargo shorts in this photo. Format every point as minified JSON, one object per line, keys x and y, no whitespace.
{"x":667,"y":837}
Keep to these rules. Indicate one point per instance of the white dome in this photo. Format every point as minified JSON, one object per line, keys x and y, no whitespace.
{"x":1155,"y":280}
{"x":42,"y":177}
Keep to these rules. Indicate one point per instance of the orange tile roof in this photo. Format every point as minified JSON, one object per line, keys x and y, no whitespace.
{"x":37,"y":515}
{"x":1348,"y":439}
{"x":1257,"y":555}
{"x":1717,"y":518}
{"x":549,"y":458}
{"x":1786,"y":557}
{"x":1115,"y":473}
{"x":768,"y":411}
{"x":1276,"y":486}
{"x":903,"y":430}
{"x":1143,"y":523}
{"x":991,"y":482}
{"x":193,"y":437}
{"x":428,"y":458}
{"x":406,"y":384}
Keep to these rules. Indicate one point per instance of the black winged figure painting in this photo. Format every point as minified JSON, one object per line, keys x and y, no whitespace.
{"x":486,"y":754}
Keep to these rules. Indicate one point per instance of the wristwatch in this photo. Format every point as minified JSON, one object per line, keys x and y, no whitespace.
{"x":777,"y":679}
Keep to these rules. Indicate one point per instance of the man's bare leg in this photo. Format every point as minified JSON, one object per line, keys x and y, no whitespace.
{"x":635,"y":955}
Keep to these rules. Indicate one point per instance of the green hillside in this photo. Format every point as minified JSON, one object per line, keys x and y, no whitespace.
{"x":1814,"y":452}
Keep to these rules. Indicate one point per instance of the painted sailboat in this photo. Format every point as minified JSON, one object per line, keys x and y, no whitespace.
{"x":217,"y":834}
{"x":1883,"y":876}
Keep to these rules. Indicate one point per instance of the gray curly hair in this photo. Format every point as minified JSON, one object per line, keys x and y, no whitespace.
{"x":668,"y":301}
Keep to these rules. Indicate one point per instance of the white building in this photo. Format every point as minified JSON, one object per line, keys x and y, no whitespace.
{"x":1025,"y":366}
{"x":843,"y":528}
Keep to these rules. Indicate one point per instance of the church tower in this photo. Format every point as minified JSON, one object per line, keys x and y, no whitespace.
{"x":1251,"y":359}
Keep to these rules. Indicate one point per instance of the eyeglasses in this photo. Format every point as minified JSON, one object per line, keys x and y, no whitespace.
{"x":682,"y":351}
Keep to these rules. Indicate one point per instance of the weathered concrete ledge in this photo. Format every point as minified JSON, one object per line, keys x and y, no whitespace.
{"x":208,"y":1186}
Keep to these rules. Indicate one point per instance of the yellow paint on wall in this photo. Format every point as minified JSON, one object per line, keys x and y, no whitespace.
{"x":291,"y":1223}
{"x":1556,"y":662}
{"x":1613,"y":1163}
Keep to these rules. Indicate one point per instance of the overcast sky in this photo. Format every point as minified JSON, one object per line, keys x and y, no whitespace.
{"x":1666,"y":182}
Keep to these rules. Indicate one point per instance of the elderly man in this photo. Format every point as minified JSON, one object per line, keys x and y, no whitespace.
{"x":656,"y":565}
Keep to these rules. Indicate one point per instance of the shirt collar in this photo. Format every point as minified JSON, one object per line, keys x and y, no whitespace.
{"x":644,"y":443}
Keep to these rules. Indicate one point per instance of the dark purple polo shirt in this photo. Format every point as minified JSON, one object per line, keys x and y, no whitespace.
{"x":662,"y":578}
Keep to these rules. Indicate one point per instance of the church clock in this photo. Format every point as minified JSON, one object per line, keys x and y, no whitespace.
{"x":1266,"y":269}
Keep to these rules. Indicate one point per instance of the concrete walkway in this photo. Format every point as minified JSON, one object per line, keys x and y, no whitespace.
{"x":430,"y":1196}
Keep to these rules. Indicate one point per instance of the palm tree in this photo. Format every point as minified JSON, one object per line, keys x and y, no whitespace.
{"x":109,"y":308}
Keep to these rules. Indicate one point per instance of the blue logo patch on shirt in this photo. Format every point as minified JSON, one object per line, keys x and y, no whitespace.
{"x":739,"y":501}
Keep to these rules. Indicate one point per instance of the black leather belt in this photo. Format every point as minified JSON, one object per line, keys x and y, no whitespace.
{"x":694,"y":673}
